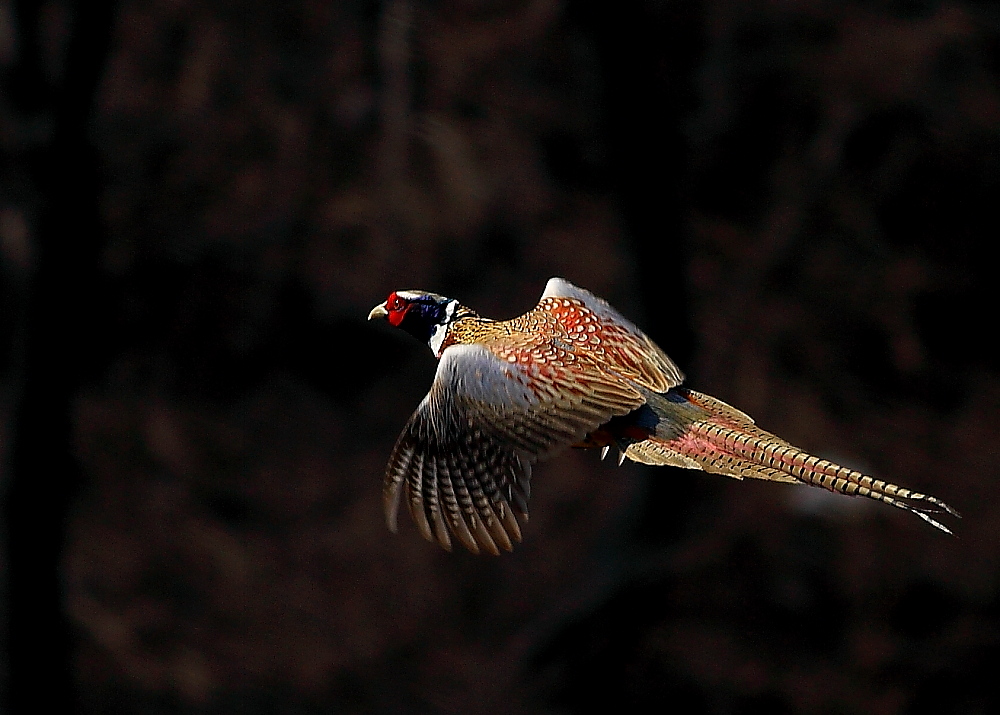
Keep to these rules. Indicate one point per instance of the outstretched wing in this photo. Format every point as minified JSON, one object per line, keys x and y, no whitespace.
{"x":464,"y":458}
{"x":614,"y":338}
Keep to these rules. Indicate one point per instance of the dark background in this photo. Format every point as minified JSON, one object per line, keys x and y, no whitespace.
{"x":201,"y":201}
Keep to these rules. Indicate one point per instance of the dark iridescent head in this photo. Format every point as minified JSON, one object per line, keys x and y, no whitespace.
{"x":425,"y":316}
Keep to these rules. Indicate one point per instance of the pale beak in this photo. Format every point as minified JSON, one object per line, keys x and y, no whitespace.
{"x":378,"y":311}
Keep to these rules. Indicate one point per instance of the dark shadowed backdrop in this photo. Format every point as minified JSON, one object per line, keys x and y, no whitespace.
{"x":201,"y":201}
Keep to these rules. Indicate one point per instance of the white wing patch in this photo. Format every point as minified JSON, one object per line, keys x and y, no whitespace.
{"x":475,"y":373}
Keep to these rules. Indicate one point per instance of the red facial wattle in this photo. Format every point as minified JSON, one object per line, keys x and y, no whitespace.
{"x":396,"y":308}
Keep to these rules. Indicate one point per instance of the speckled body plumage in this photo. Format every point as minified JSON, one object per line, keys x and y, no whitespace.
{"x":570,"y":372}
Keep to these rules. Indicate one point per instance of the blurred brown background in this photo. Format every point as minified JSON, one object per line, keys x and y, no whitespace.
{"x":200,"y":202}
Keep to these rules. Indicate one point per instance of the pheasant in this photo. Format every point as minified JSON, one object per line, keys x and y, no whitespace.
{"x":570,"y":372}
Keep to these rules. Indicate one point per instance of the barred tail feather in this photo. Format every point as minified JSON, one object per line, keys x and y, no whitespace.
{"x":725,"y":441}
{"x":767,"y":457}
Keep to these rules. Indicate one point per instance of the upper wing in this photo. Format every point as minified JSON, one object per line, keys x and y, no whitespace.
{"x":627,"y":349}
{"x":465,"y":455}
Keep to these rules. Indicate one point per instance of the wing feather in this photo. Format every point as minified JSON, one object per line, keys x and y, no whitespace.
{"x":464,"y":458}
{"x":425,"y":500}
{"x":625,"y":345}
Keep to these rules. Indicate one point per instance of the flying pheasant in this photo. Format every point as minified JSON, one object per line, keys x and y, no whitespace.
{"x":570,"y":372}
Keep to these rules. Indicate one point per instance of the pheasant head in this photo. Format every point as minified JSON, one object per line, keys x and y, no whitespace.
{"x":425,"y":316}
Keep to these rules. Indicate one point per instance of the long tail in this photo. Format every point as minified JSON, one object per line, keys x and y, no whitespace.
{"x":700,"y":432}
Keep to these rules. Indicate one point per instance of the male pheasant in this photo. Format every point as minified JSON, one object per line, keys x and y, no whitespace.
{"x":570,"y":372}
